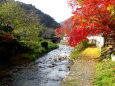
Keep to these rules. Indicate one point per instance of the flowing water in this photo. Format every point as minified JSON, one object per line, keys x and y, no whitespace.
{"x":48,"y":70}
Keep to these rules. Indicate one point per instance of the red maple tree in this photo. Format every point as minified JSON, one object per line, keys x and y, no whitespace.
{"x":90,"y":17}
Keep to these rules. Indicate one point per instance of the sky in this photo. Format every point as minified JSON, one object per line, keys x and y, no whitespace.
{"x":58,"y":9}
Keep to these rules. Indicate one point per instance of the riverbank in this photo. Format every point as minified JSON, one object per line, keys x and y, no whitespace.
{"x":37,"y":50}
{"x":83,"y":70}
{"x":49,"y":70}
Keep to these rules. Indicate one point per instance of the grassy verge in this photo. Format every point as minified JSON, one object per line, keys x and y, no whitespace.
{"x":105,"y":73}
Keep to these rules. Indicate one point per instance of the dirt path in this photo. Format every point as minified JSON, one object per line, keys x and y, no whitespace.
{"x":83,"y":71}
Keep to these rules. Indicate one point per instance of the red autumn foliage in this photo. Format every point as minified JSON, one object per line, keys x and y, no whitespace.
{"x":90,"y":17}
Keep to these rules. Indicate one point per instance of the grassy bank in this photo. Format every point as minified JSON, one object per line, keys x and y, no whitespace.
{"x":19,"y":52}
{"x":27,"y":52}
{"x":32,"y":51}
{"x":38,"y":49}
{"x":105,"y":73}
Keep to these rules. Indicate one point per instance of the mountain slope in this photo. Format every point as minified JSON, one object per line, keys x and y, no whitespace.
{"x":45,"y":19}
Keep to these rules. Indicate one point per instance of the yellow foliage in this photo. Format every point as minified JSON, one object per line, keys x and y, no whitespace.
{"x":80,"y":1}
{"x":83,"y":20}
{"x":91,"y":52}
{"x":112,"y":9}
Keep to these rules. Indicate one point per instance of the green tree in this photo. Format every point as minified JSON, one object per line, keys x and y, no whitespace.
{"x":25,"y":25}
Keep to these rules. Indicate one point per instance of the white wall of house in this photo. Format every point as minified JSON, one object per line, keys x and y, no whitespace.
{"x":65,"y":38}
{"x":99,"y":40}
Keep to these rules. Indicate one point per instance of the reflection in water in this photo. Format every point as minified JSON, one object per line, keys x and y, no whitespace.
{"x":48,"y":70}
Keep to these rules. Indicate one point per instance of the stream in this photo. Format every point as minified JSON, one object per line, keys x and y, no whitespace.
{"x":48,"y":70}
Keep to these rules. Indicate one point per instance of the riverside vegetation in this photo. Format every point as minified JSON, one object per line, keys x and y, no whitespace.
{"x":105,"y":69}
{"x":88,"y":69}
{"x":21,"y":37}
{"x":49,"y":70}
{"x":105,"y":73}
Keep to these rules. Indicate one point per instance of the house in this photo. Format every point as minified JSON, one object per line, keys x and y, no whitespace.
{"x":97,"y":40}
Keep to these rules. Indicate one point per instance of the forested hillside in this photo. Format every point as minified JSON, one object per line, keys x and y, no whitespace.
{"x":21,"y":27}
{"x":45,"y":19}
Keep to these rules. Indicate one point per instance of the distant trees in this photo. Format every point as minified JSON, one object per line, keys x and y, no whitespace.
{"x":47,"y":33}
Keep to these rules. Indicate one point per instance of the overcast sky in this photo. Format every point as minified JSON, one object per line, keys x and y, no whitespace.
{"x":58,"y":9}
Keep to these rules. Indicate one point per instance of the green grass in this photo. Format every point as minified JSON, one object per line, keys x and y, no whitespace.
{"x":105,"y":73}
{"x":52,"y":46}
{"x":36,"y":50}
{"x":75,"y":54}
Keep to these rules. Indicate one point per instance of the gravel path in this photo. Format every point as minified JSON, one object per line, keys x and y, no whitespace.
{"x":82,"y":72}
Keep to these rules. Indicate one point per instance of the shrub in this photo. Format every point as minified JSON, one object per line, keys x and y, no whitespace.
{"x":82,"y":45}
{"x":105,"y":74}
{"x":42,"y":50}
{"x":38,"y":49}
{"x":52,"y":46}
{"x":27,"y":49}
{"x":44,"y":44}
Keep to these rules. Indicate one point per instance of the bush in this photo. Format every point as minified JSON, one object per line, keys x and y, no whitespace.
{"x":42,"y":50}
{"x":82,"y":45}
{"x":105,"y":74}
{"x":38,"y":49}
{"x":52,"y":46}
{"x":44,"y":44}
{"x":11,"y":49}
{"x":27,"y":49}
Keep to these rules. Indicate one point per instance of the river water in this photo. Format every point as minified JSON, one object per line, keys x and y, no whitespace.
{"x":48,"y":70}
